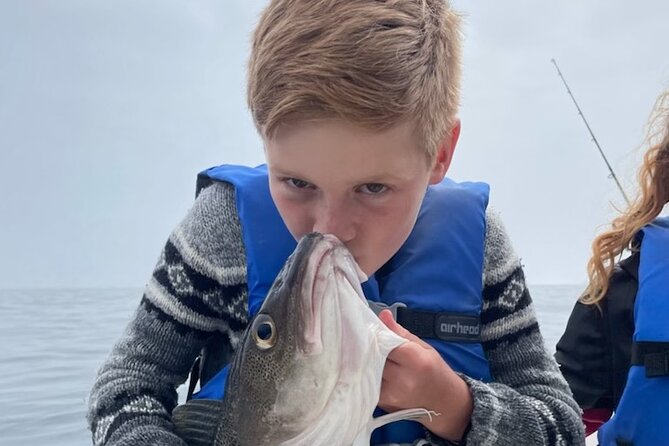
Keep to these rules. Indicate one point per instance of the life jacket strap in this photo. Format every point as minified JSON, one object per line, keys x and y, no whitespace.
{"x":449,"y":327}
{"x":654,"y":356}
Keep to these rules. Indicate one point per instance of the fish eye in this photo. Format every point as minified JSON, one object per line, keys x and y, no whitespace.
{"x":264,"y":332}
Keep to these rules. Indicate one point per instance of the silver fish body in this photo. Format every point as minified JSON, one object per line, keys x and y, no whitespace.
{"x":308,"y":369}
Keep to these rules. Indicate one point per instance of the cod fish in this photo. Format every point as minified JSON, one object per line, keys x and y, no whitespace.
{"x":308,"y":369}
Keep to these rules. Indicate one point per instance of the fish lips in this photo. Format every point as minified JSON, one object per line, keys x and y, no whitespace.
{"x":328,"y":261}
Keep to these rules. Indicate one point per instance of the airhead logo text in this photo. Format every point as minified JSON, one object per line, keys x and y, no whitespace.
{"x":458,"y":328}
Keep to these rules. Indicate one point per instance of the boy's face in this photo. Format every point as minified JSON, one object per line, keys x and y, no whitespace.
{"x":365,"y":188}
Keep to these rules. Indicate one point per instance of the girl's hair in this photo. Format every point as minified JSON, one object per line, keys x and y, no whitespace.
{"x":653,"y":194}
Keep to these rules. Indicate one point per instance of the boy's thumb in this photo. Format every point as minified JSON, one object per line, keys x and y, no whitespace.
{"x":387,"y":318}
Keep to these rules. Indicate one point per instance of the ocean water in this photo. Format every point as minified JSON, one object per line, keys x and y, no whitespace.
{"x":53,"y":341}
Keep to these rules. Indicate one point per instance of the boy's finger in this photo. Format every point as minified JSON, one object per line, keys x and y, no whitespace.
{"x":386,"y":317}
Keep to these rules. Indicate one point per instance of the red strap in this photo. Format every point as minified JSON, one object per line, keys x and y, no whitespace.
{"x":594,"y":418}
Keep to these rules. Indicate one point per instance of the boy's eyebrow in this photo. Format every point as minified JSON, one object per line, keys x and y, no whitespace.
{"x":382,"y":177}
{"x":283,"y":172}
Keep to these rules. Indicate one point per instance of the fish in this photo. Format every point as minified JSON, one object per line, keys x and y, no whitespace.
{"x":309,"y":366}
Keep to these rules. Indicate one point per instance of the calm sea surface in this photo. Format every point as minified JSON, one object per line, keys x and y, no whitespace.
{"x":53,"y":341}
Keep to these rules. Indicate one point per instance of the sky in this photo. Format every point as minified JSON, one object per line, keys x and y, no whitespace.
{"x":109,"y":109}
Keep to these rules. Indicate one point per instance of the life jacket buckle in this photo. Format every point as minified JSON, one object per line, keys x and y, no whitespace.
{"x":378,"y":307}
{"x":656,"y":364}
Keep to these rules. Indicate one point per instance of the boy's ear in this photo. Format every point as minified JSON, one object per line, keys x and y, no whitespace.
{"x":445,"y":154}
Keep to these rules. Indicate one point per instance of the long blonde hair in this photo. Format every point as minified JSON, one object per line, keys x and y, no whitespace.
{"x":653,"y":177}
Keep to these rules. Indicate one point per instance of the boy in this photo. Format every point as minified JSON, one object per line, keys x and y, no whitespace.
{"x":356,"y":103}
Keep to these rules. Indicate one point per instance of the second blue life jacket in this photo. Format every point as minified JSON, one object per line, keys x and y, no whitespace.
{"x":437,"y":274}
{"x":642,"y":416}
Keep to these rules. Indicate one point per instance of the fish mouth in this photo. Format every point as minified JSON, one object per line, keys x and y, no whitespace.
{"x":329,"y":261}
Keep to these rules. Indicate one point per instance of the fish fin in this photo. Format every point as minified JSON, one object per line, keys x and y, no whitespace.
{"x":196,"y":421}
{"x":406,"y":414}
{"x":364,"y":436}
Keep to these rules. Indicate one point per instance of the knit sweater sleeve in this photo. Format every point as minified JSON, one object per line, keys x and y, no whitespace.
{"x":197,"y":290}
{"x":528,"y":402}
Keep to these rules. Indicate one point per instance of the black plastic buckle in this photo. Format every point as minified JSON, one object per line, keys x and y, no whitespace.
{"x":656,"y":364}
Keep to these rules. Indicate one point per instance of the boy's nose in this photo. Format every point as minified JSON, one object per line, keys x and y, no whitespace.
{"x":335,"y":220}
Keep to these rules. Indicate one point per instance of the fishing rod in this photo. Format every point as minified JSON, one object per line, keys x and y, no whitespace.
{"x":601,"y":152}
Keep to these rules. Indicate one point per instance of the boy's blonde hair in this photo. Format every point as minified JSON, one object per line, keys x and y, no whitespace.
{"x":373,"y":63}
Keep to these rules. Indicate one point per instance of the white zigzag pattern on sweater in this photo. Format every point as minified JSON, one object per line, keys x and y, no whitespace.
{"x":145,"y":405}
{"x":158,"y":296}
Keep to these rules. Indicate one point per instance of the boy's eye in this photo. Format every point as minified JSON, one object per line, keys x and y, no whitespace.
{"x":297,"y":183}
{"x":373,"y":188}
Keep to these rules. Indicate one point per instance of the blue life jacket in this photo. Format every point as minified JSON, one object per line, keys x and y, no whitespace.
{"x":437,"y":273}
{"x":642,"y":416}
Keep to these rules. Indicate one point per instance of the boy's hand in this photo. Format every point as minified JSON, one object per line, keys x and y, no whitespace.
{"x":415,"y":375}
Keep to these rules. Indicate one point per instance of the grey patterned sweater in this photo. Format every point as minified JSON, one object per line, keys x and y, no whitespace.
{"x":198,"y":289}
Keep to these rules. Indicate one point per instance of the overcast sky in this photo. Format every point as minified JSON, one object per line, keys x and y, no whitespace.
{"x":109,"y":109}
